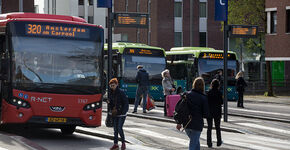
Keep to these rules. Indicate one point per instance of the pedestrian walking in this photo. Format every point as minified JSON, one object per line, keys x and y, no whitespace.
{"x":215,"y":102}
{"x":168,"y":86}
{"x":197,"y":102}
{"x":219,"y":77}
{"x":240,"y":86}
{"x":142,"y":79}
{"x":118,"y":104}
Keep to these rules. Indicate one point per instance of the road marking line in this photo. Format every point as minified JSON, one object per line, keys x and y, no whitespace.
{"x":160,"y":136}
{"x":264,"y":127}
{"x":263,"y":112}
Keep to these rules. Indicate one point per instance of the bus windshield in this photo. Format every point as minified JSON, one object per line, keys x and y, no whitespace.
{"x":153,"y":65}
{"x":208,"y":68}
{"x":53,"y":63}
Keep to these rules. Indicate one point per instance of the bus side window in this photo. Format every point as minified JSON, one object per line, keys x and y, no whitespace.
{"x":4,"y":61}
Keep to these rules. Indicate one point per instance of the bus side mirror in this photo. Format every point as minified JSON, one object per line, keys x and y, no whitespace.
{"x":4,"y":69}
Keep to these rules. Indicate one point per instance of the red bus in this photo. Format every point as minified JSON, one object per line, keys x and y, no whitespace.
{"x":51,"y":71}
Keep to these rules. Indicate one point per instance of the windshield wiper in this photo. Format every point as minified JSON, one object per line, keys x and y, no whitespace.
{"x":33,"y":72}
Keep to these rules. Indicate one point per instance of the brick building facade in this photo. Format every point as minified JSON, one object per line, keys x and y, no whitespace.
{"x":170,"y":23}
{"x":277,"y":40}
{"x":8,"y":6}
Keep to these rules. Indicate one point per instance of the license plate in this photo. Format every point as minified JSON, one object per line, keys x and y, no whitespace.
{"x":58,"y":120}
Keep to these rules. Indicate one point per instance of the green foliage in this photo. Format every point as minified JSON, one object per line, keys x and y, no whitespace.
{"x":267,"y":94}
{"x":249,"y":12}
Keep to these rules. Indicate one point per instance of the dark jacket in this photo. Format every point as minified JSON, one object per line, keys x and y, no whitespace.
{"x":215,"y":102}
{"x":142,"y":77}
{"x":220,"y":78}
{"x":197,"y":101}
{"x":241,"y":84}
{"x":120,"y":100}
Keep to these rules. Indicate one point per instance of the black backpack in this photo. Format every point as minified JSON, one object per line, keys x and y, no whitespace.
{"x":182,"y":111}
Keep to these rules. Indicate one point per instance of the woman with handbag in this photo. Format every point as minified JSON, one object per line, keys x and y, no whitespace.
{"x":118,"y":105}
{"x":168,"y":86}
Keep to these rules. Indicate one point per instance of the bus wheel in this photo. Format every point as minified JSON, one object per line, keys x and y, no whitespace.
{"x":67,"y":130}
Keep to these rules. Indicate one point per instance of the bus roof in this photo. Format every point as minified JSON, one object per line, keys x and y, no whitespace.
{"x":190,"y":48}
{"x":120,"y":46}
{"x":35,"y":16}
{"x":194,"y":50}
{"x":20,"y":16}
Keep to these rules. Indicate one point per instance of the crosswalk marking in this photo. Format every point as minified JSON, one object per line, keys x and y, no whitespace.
{"x":158,"y":135}
{"x":264,"y":127}
{"x":263,"y":112}
{"x":255,"y":142}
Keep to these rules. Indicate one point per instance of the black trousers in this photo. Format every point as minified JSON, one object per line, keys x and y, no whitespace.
{"x":217,"y":123}
{"x":165,"y":110}
{"x":241,"y":99}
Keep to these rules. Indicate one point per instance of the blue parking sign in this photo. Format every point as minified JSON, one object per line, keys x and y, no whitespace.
{"x":221,"y":10}
{"x":105,"y":3}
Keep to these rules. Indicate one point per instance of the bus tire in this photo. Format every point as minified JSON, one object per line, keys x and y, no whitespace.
{"x":68,"y":130}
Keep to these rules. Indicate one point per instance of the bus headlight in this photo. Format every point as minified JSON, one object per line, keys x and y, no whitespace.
{"x":20,"y":103}
{"x":93,"y":106}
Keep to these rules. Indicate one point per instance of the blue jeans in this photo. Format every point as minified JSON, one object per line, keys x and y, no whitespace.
{"x":141,"y":90}
{"x":194,"y":139}
{"x":118,"y":128}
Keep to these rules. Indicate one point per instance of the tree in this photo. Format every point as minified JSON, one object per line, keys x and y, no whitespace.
{"x":251,"y":12}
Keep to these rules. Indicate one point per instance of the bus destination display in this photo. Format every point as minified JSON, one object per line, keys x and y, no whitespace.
{"x":243,"y":31}
{"x":136,"y":20}
{"x":56,"y":31}
{"x":143,"y":51}
{"x":216,"y":56}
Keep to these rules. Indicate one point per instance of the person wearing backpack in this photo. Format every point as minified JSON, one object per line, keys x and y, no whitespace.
{"x":215,"y":102}
{"x":198,"y":107}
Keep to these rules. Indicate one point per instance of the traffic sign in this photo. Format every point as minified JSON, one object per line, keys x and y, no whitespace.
{"x":221,"y":10}
{"x":137,"y":20}
{"x":243,"y":31}
{"x":105,"y":3}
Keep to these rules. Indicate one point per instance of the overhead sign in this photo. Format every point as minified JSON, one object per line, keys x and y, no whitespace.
{"x":143,"y":51}
{"x":136,"y":20}
{"x":221,"y":10}
{"x":105,"y":3}
{"x":56,"y":30}
{"x":212,"y":55}
{"x":243,"y":31}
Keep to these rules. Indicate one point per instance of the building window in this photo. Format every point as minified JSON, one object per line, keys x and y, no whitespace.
{"x":124,"y":37}
{"x":36,"y":8}
{"x":91,"y":2}
{"x":202,"y":10}
{"x":202,"y":39}
{"x":82,"y":17}
{"x":273,"y":21}
{"x":91,"y":19}
{"x":177,"y":39}
{"x":81,"y":2}
{"x":288,"y":21}
{"x":178,"y":9}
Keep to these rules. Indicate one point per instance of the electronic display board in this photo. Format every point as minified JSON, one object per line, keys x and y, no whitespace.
{"x":212,"y":55}
{"x":136,"y":20}
{"x":243,"y":31}
{"x":143,"y":51}
{"x":56,"y":30}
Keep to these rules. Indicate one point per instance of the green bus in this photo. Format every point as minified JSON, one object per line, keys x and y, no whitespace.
{"x":126,"y":57}
{"x":187,"y":63}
